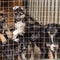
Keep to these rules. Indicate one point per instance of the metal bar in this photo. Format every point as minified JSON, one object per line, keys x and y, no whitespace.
{"x":52,"y":10}
{"x":56,"y":12}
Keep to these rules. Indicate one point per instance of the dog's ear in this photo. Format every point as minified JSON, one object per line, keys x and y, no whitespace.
{"x":58,"y":28}
{"x":23,"y":8}
{"x":43,"y":28}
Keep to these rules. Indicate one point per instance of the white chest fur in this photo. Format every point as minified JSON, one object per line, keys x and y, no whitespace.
{"x":19,"y":28}
{"x":52,"y":36}
{"x":19,"y":25}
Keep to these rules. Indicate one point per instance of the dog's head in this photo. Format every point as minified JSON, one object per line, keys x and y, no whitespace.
{"x":19,"y":12}
{"x":52,"y":28}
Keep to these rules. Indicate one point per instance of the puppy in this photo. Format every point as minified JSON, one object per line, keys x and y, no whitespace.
{"x":19,"y":24}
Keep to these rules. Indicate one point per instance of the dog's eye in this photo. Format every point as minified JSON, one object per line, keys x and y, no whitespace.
{"x":20,"y":13}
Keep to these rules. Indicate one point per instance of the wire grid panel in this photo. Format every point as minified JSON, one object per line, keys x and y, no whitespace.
{"x":7,"y":7}
{"x":43,"y":11}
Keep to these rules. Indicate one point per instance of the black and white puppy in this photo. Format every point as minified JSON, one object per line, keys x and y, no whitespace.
{"x":53,"y":41}
{"x":19,"y":25}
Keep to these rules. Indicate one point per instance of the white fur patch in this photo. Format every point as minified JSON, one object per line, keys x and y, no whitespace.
{"x":19,"y":24}
{"x":52,"y":36}
{"x":16,"y":40}
{"x":15,"y":7}
{"x":23,"y":56}
{"x":19,"y":28}
{"x":52,"y":47}
{"x":22,"y":16}
{"x":15,"y":32}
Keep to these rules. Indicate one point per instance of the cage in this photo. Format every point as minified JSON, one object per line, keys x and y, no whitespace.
{"x":41,"y":40}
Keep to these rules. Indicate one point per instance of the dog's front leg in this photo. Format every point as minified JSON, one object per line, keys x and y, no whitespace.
{"x":15,"y":34}
{"x":9,"y":33}
{"x":56,"y":55}
{"x":19,"y":57}
{"x":3,"y":39}
{"x":23,"y":56}
{"x":50,"y":55}
{"x":32,"y":56}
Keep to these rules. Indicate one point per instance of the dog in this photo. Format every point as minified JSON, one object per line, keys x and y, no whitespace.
{"x":2,"y":20}
{"x":52,"y":40}
{"x":19,"y":24}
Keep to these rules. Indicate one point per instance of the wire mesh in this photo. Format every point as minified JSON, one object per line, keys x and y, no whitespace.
{"x":43,"y":12}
